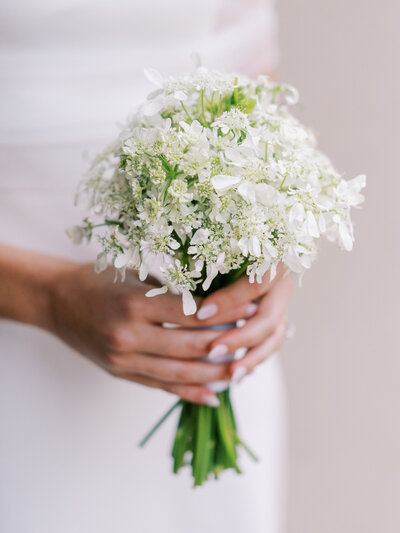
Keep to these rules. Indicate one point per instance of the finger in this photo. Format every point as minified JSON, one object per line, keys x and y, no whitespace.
{"x":168,"y":340}
{"x":192,"y":393}
{"x":271,"y":312}
{"x":257,"y":355}
{"x":170,"y":310}
{"x":178,"y":343}
{"x":235,"y":295}
{"x":167,"y":307}
{"x":168,"y":370}
{"x":230,"y":316}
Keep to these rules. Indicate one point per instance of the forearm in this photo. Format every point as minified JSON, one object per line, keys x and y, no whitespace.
{"x":26,"y":278}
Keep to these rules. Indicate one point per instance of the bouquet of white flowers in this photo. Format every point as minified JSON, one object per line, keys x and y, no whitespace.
{"x":213,"y":178}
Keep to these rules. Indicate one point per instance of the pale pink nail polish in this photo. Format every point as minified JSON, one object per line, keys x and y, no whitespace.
{"x":238,"y":374}
{"x":218,"y":351}
{"x":207,"y":311}
{"x":251,"y":309}
{"x":210,"y":400}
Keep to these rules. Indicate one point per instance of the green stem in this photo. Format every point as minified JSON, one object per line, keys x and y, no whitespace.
{"x":186,"y":111}
{"x":219,"y":105}
{"x":283,"y":181}
{"x":245,"y":447}
{"x":203,"y":115}
{"x":159,"y":423}
{"x":212,"y":106}
{"x":108,"y":223}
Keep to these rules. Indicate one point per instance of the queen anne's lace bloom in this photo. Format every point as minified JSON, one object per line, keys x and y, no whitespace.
{"x":214,"y":175}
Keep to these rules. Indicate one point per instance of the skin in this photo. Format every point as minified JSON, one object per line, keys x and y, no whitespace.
{"x":117,"y":327}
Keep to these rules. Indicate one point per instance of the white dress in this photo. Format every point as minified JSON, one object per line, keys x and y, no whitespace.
{"x":70,"y":70}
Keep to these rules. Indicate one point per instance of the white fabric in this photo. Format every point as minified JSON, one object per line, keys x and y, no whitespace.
{"x":69,"y":461}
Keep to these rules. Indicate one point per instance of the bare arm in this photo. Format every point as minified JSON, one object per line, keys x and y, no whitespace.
{"x":25,"y":280}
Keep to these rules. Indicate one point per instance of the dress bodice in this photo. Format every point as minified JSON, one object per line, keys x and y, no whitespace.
{"x":71,"y":69}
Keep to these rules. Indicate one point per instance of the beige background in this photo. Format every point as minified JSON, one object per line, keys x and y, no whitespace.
{"x":343,"y":368}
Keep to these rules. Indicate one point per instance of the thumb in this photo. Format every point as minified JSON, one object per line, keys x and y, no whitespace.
{"x":237,"y":294}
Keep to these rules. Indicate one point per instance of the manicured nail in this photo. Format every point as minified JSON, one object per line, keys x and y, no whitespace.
{"x":207,"y":311}
{"x":251,"y":309}
{"x":210,"y":400}
{"x":218,"y":351}
{"x":238,"y":374}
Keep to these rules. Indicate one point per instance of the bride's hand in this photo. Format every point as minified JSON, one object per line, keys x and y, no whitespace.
{"x":264,"y":332}
{"x":119,"y":328}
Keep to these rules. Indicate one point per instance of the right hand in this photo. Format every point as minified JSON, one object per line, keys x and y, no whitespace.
{"x":119,"y":328}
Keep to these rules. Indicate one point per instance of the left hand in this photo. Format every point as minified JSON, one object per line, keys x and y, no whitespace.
{"x":263,"y":332}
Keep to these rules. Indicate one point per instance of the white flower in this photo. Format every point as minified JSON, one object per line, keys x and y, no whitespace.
{"x":212,"y":270}
{"x":211,"y":174}
{"x":76,"y":234}
{"x":129,"y":258}
{"x":345,"y":230}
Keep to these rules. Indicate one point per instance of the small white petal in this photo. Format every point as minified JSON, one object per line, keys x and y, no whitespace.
{"x":151,"y":108}
{"x":322,"y":223}
{"x":312,"y":225}
{"x":247,"y":192}
{"x":76,"y":234}
{"x":154,"y":76}
{"x":212,"y":272}
{"x":254,"y":246}
{"x":157,"y":291}
{"x":199,"y":265}
{"x":189,"y":304}
{"x":121,"y":260}
{"x":265,"y":194}
{"x":143,"y":271}
{"x":100,"y":263}
{"x":296,"y":213}
{"x":345,"y":237}
{"x":272,"y":272}
{"x":223,"y":182}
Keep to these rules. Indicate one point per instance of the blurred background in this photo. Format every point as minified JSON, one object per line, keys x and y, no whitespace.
{"x":343,"y":369}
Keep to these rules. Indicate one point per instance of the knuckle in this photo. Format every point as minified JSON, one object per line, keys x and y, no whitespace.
{"x":118,"y":338}
{"x":126,"y":303}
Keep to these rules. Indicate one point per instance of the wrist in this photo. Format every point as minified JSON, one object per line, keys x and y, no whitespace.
{"x":28,"y":280}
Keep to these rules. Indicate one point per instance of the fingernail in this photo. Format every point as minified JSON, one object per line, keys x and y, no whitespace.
{"x":218,"y":351}
{"x":210,"y":400}
{"x":207,"y":311}
{"x":251,"y":309}
{"x":238,"y":374}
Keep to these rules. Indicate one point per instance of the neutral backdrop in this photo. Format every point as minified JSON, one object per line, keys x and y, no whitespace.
{"x":343,"y":367}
